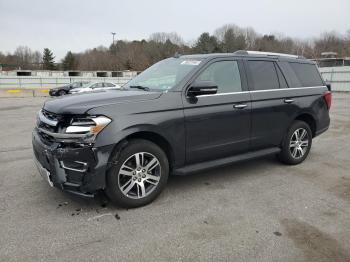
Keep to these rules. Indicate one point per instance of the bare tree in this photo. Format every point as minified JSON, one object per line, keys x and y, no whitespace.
{"x":138,"y":55}
{"x":162,"y":37}
{"x":25,"y":58}
{"x":250,"y":37}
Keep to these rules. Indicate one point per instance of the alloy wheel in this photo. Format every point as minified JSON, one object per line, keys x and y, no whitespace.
{"x":299,"y":143}
{"x":139,"y":175}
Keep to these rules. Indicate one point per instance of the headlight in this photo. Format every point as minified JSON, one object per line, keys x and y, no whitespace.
{"x":88,"y":125}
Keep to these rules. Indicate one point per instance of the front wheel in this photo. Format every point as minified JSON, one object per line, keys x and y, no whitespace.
{"x":62,"y":93}
{"x":139,"y":174}
{"x":297,"y":143}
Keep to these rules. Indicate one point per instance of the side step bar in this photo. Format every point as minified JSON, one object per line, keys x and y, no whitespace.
{"x":225,"y":161}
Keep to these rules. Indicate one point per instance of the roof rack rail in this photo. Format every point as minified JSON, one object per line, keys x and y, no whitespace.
{"x":245,"y":52}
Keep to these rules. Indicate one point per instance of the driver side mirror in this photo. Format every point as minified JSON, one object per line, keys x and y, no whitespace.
{"x":199,"y":88}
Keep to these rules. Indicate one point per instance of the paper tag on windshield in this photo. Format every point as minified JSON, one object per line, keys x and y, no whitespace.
{"x":191,"y":62}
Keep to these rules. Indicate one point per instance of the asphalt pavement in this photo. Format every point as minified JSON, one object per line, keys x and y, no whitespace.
{"x":259,"y":210}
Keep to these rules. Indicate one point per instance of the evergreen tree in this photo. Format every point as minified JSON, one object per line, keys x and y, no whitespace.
{"x":68,"y":62}
{"x":206,"y":44}
{"x":48,"y":60}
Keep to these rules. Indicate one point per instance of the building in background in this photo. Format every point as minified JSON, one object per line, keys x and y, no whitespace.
{"x":330,"y":59}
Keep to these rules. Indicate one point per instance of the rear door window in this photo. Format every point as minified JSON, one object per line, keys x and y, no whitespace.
{"x":263,"y":75}
{"x":307,"y":74}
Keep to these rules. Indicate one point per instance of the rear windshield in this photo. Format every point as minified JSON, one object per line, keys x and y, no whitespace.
{"x":307,"y":74}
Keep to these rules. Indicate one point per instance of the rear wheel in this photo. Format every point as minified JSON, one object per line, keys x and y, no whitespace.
{"x":139,"y":175}
{"x":297,"y":143}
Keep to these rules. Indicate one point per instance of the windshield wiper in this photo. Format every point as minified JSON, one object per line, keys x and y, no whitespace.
{"x":145,"y":88}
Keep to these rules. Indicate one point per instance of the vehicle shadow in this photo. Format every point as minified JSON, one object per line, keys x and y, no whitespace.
{"x":230,"y":172}
{"x":183,"y":184}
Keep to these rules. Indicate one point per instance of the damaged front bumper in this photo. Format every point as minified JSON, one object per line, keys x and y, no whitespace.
{"x":76,"y":168}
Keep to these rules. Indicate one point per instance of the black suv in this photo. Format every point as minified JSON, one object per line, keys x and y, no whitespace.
{"x":181,"y":115}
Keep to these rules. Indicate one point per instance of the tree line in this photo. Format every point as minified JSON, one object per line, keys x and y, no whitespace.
{"x":140,"y":54}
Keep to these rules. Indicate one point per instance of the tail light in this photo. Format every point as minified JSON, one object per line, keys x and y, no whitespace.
{"x":328,"y":98}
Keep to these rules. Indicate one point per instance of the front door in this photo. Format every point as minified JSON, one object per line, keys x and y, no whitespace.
{"x":218,"y":125}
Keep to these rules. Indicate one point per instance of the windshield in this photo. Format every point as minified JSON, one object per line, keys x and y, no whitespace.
{"x":164,"y":74}
{"x":76,"y":84}
{"x":92,"y":85}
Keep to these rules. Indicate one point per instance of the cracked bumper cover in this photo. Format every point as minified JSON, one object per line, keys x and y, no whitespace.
{"x":76,"y":169}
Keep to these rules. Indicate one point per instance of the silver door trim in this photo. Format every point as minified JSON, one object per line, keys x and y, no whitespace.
{"x":267,"y":90}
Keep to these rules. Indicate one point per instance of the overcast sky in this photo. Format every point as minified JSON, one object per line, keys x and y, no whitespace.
{"x":76,"y":25}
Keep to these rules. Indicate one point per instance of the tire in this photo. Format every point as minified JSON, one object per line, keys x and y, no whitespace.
{"x":129,"y":183}
{"x":62,"y":93}
{"x":294,"y":150}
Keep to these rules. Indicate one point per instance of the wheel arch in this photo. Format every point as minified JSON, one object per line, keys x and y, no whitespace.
{"x":152,"y":136}
{"x":310,"y":120}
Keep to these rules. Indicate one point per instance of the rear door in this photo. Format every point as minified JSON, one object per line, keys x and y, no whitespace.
{"x":272,"y":110}
{"x":218,"y":125}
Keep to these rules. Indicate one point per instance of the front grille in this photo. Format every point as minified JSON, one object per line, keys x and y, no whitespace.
{"x":51,"y":116}
{"x":47,"y":127}
{"x":46,"y":138}
{"x":49,"y":122}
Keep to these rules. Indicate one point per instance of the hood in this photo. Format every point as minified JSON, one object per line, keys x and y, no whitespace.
{"x":61,"y":87}
{"x":82,"y":102}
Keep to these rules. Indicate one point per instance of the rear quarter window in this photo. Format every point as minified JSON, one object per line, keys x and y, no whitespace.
{"x":307,"y":74}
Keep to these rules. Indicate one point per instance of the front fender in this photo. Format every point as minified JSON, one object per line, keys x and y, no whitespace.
{"x":174,"y":139}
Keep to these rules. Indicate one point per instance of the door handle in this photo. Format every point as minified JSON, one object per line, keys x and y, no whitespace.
{"x":288,"y":101}
{"x":240,"y":106}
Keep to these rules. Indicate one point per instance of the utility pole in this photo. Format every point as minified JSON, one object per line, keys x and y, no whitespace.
{"x":113,"y":34}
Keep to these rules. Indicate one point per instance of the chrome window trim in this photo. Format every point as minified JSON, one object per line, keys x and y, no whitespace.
{"x":267,"y":90}
{"x":224,"y":94}
{"x":290,"y":88}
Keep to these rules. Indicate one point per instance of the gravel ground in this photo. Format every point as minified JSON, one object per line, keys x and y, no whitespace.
{"x":253,"y":211}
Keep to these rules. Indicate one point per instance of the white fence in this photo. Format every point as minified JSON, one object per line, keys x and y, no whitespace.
{"x":338,"y":77}
{"x":19,"y":82}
